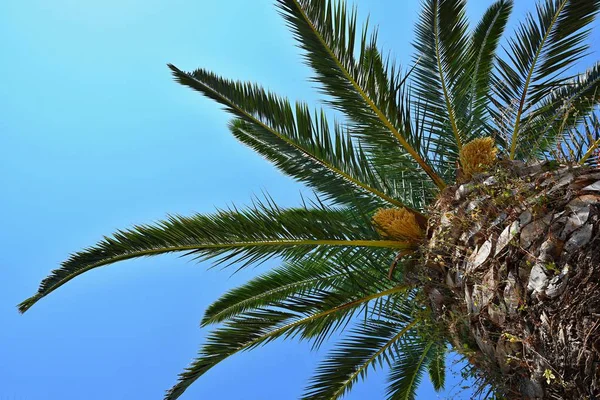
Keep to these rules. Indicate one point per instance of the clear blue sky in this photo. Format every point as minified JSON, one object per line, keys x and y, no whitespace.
{"x":95,"y":136}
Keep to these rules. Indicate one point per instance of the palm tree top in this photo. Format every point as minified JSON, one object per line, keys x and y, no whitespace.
{"x":407,"y":135}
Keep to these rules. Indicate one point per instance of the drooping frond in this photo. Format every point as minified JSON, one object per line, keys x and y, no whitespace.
{"x":363,"y":273}
{"x":262,"y":326}
{"x":361,"y":86}
{"x":371,"y":344}
{"x":545,"y":46}
{"x":293,"y":278}
{"x":409,"y":366}
{"x":300,"y":144}
{"x":247,"y":236}
{"x":362,"y":283}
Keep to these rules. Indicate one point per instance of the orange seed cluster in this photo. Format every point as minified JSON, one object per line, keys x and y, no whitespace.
{"x":397,"y":224}
{"x":477,"y":156}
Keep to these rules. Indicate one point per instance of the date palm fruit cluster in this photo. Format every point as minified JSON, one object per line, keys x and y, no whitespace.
{"x":457,"y":207}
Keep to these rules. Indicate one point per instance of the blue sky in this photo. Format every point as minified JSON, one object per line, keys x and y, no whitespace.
{"x":95,"y":136}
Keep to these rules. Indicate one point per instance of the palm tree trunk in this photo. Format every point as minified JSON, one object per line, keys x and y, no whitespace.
{"x":514,"y":257}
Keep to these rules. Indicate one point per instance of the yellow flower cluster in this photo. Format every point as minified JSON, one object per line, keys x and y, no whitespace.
{"x":477,"y":156}
{"x":397,"y":224}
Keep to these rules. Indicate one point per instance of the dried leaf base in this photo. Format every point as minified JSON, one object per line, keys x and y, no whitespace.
{"x":514,"y":275}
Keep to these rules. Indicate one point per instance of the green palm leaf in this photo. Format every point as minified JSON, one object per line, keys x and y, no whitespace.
{"x":409,"y":366}
{"x":441,"y":43}
{"x":437,"y":367}
{"x":368,"y":345}
{"x":299,"y":278}
{"x":362,"y":87}
{"x":414,"y":187}
{"x":248,"y":236}
{"x":545,"y":45}
{"x":589,"y":140}
{"x":299,"y":144}
{"x":561,"y":112}
{"x":481,"y":58}
{"x":260,"y":327}
{"x":294,"y":278}
{"x":364,"y":273}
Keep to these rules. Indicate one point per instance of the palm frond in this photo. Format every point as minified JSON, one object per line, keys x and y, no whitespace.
{"x":590,"y":140}
{"x":372,"y":343}
{"x":579,"y":144}
{"x":247,"y":236}
{"x":559,"y":115}
{"x":308,"y":276}
{"x":364,"y":274}
{"x":409,"y":366}
{"x":441,"y":44}
{"x":300,"y":144}
{"x":414,"y":187}
{"x":437,"y":367}
{"x":260,"y":327}
{"x":371,"y":280}
{"x":363,"y":87}
{"x":481,"y":58}
{"x":545,"y":46}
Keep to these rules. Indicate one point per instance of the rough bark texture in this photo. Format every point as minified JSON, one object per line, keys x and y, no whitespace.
{"x":514,"y":274}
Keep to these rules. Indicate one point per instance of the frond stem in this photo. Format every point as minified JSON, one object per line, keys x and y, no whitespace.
{"x":589,"y":152}
{"x":356,"y":182}
{"x":488,"y":32}
{"x":313,"y":317}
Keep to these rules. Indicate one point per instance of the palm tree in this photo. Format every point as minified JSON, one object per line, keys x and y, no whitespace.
{"x":458,"y":207}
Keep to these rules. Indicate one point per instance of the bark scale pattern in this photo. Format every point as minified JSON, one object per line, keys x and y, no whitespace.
{"x":513,"y":273}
